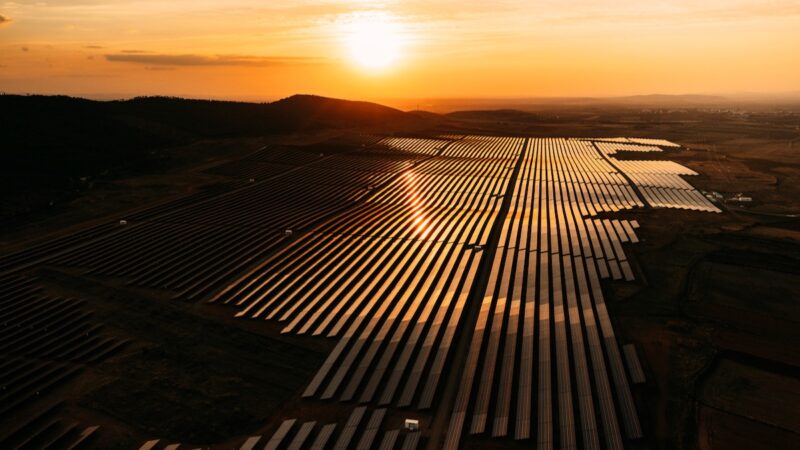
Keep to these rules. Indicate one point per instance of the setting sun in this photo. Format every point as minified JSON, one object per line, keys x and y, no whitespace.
{"x":394,"y":49}
{"x":374,"y":40}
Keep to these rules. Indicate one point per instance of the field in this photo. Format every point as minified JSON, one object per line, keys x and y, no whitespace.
{"x":504,"y":288}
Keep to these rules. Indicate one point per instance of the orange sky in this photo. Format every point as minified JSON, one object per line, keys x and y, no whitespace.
{"x":271,"y":49}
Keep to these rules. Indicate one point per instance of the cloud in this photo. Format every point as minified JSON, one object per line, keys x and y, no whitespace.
{"x":4,"y":20}
{"x":94,"y":47}
{"x":154,"y":59}
{"x":25,"y":49}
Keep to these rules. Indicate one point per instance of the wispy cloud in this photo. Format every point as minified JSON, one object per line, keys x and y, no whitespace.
{"x":155,"y":59}
{"x":93,"y":47}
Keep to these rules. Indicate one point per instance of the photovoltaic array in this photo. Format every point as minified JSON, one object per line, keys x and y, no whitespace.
{"x":392,"y":278}
{"x":403,"y":250}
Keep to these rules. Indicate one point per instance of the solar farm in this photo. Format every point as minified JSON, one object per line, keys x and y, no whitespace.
{"x":459,"y":281}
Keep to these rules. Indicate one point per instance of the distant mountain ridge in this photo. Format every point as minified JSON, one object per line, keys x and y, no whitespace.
{"x":448,"y":105}
{"x":50,"y":141}
{"x":638,"y":100}
{"x":209,"y":118}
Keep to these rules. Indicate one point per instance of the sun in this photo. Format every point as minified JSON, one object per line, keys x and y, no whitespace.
{"x":374,"y":40}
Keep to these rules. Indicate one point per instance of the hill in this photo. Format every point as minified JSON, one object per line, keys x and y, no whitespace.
{"x":51,"y":142}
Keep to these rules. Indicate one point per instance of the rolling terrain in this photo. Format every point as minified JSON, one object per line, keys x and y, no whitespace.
{"x":329,"y":269}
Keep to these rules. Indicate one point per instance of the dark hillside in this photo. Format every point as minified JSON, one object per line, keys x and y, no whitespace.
{"x":53,"y":144}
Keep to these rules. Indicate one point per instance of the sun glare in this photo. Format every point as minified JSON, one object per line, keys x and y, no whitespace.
{"x":374,"y":40}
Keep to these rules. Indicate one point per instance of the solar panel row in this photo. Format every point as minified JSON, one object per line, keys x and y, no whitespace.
{"x":642,"y":141}
{"x":390,"y":277}
{"x":611,"y":148}
{"x":44,"y":429}
{"x":416,"y":146}
{"x":194,"y":245}
{"x":356,"y":433}
{"x":394,"y":271}
{"x":662,"y":187}
{"x":380,"y":247}
{"x":22,"y":259}
{"x":44,"y":341}
{"x":543,"y":351}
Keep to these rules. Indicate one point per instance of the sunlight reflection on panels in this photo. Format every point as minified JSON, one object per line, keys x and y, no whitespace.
{"x":355,"y":275}
{"x":391,"y":277}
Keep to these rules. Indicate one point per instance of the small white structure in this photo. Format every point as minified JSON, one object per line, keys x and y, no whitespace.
{"x":411,"y":425}
{"x":288,"y":232}
{"x":741,"y":198}
{"x":252,"y":180}
{"x":123,"y":222}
